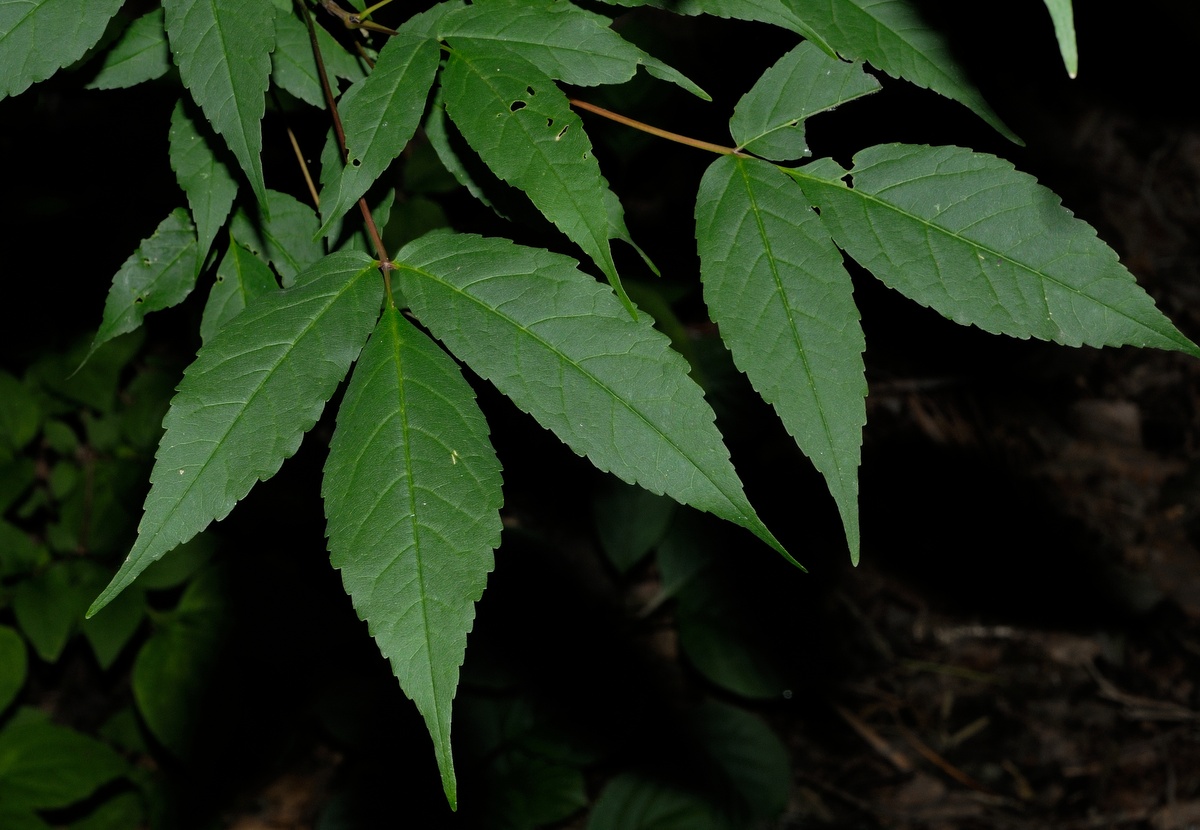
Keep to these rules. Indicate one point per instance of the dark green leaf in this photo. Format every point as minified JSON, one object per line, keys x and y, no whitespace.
{"x":20,"y":415}
{"x":630,"y":802}
{"x":140,"y":54}
{"x":40,"y":37}
{"x":287,"y":238}
{"x":44,"y":766}
{"x":295,"y":68}
{"x":204,"y":178}
{"x":241,"y":277}
{"x":630,"y":521}
{"x":13,"y":663}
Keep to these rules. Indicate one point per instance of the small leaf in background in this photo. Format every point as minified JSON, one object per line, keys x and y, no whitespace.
{"x":412,"y":495}
{"x":40,"y":37}
{"x":223,"y":51}
{"x":752,"y":761}
{"x":631,"y":802}
{"x":15,"y":478}
{"x":241,"y":277}
{"x":295,"y":69}
{"x":630,"y":521}
{"x":204,"y":178}
{"x":775,"y":284}
{"x":122,"y":812}
{"x":46,"y":766}
{"x":20,"y":415}
{"x":769,"y":119}
{"x":245,"y":403}
{"x":561,"y":347}
{"x":966,"y":234}
{"x":140,"y":54}
{"x":160,"y":273}
{"x":287,"y":238}
{"x":48,"y":607}
{"x":1063,"y":15}
{"x":14,"y":661}
{"x":93,"y":383}
{"x":380,"y":114}
{"x":109,"y":631}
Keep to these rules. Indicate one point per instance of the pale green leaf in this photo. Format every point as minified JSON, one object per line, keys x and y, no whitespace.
{"x":140,"y":54}
{"x":769,"y":119}
{"x":380,"y":114}
{"x":983,"y":244}
{"x":40,"y":37}
{"x":774,"y":283}
{"x":159,"y":274}
{"x":561,"y":39}
{"x":245,"y":403}
{"x":287,"y":238}
{"x":241,"y":277}
{"x":223,"y":50}
{"x":295,"y":69}
{"x":524,"y":129}
{"x":1063,"y":15}
{"x":203,"y":177}
{"x":891,"y":35}
{"x":412,"y":495}
{"x":44,"y":766}
{"x":560,"y":346}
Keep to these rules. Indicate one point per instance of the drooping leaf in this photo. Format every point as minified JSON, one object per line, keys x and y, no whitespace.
{"x":769,"y":119}
{"x":44,"y":766}
{"x":245,"y":403}
{"x":204,"y":178}
{"x":558,"y":344}
{"x":983,"y":244}
{"x":159,"y":274}
{"x":295,"y":69}
{"x":561,"y":39}
{"x":412,"y":495}
{"x":774,"y":283}
{"x":524,"y":129}
{"x":140,"y":54}
{"x":223,"y":51}
{"x":1063,"y":16}
{"x":40,"y":37}
{"x":287,"y":238}
{"x":380,"y":115}
{"x":241,"y":277}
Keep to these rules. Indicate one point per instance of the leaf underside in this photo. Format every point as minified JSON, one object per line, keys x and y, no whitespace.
{"x":245,"y":403}
{"x":412,"y":495}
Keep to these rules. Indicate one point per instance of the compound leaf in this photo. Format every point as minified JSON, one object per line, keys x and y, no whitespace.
{"x":412,"y":495}
{"x":140,"y":54}
{"x":523,"y":128}
{"x":769,"y":119}
{"x":559,"y":38}
{"x":223,"y":50}
{"x":159,"y":274}
{"x":558,"y":344}
{"x":774,"y":283}
{"x":246,"y":401}
{"x":968,"y":235}
{"x":204,"y":178}
{"x":40,"y":37}
{"x":241,"y":277}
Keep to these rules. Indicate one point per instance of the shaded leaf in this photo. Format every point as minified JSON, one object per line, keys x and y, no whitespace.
{"x":629,"y":521}
{"x":159,"y":274}
{"x":631,"y":802}
{"x":203,"y":177}
{"x":751,"y":758}
{"x":287,"y":238}
{"x":412,"y":495}
{"x":223,"y":50}
{"x":245,"y":403}
{"x":774,"y":283}
{"x":140,"y":54}
{"x":40,"y":37}
{"x":769,"y":119}
{"x":20,"y":414}
{"x":558,"y":344}
{"x":294,"y":68}
{"x":13,"y":663}
{"x":983,"y":244}
{"x":44,"y":766}
{"x":241,"y":277}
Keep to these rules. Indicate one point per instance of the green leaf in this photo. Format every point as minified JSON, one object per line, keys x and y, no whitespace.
{"x":20,"y":415}
{"x":630,"y":802}
{"x":561,"y":39}
{"x":966,"y":234}
{"x":49,"y":606}
{"x":40,"y":37}
{"x":774,"y":283}
{"x":769,"y":119}
{"x":140,"y":54}
{"x":111,"y":630}
{"x":245,"y":403}
{"x":1063,"y":16}
{"x":14,"y":661}
{"x":241,"y":277}
{"x":44,"y":766}
{"x":412,"y":495}
{"x":121,"y":812}
{"x":380,"y":115}
{"x":524,"y":129}
{"x":749,"y":756}
{"x":890,"y":35}
{"x":222,"y":48}
{"x":558,"y":344}
{"x":160,"y":273}
{"x":629,"y":521}
{"x":295,"y":69}
{"x":287,"y":237}
{"x":204,"y":178}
